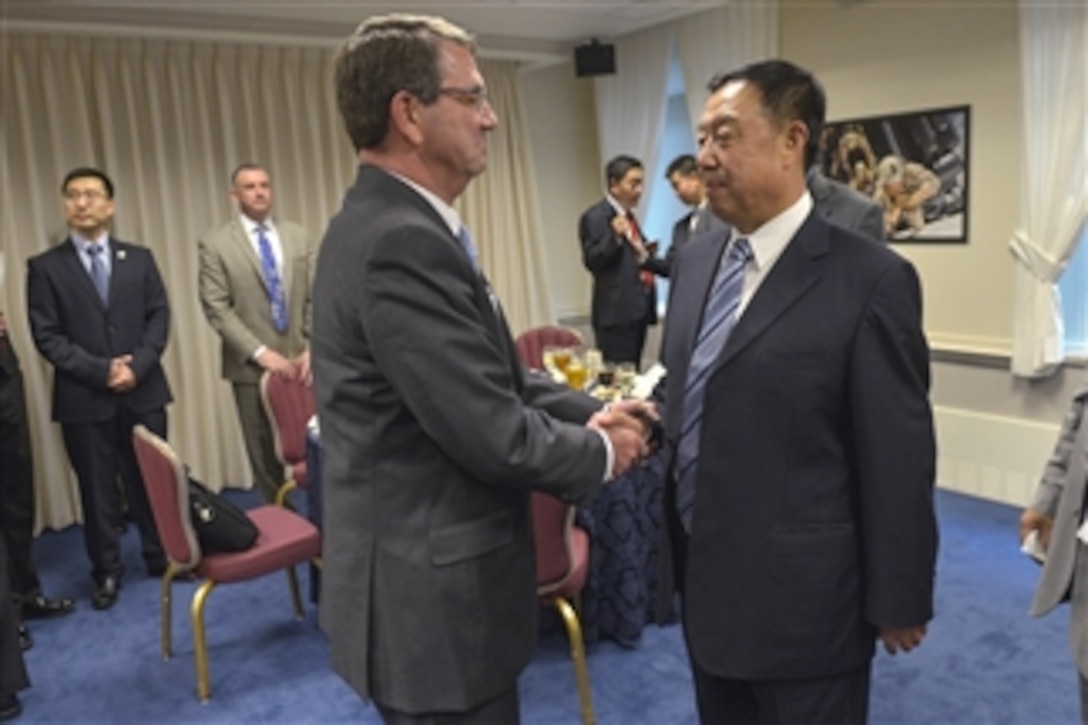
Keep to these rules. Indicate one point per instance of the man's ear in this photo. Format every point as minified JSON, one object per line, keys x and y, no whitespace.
{"x":405,"y":112}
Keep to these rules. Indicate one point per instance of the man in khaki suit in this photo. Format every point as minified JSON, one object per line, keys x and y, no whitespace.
{"x":255,"y":281}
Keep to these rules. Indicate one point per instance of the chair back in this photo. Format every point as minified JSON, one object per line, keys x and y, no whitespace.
{"x":289,"y":404}
{"x":531,"y":343}
{"x":553,"y":521}
{"x":167,"y":488}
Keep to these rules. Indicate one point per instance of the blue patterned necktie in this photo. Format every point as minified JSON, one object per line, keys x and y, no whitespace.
{"x":718,"y":319}
{"x":99,"y":275}
{"x":276,"y":299}
{"x":470,"y":249}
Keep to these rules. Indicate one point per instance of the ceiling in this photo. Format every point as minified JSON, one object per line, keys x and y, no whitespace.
{"x":539,"y":32}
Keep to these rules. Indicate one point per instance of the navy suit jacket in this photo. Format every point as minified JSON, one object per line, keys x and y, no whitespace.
{"x":619,"y":296}
{"x":813,"y":520}
{"x":79,"y":335}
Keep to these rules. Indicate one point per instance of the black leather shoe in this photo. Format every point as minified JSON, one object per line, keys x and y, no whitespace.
{"x":10,"y":707}
{"x":105,"y":594}
{"x":25,"y":640}
{"x":39,"y":607}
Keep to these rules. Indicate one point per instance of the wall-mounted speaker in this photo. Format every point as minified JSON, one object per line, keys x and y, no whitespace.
{"x":594,"y":59}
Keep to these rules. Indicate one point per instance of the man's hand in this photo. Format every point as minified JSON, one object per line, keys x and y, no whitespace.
{"x":276,"y":364}
{"x":1032,"y":520}
{"x":302,"y":364}
{"x":638,"y":415}
{"x":621,"y":225}
{"x":121,"y":378}
{"x":901,"y":639}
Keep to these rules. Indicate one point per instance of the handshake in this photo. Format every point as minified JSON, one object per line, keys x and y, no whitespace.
{"x":631,"y":427}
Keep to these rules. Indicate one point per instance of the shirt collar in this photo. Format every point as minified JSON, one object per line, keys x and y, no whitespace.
{"x":83,"y":244}
{"x":618,"y":206}
{"x":769,"y":240}
{"x":251,"y":226}
{"x":447,"y":212}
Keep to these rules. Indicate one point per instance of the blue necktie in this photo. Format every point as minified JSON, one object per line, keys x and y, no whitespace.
{"x":718,"y":319}
{"x":276,"y":300}
{"x":99,"y":275}
{"x":470,"y":249}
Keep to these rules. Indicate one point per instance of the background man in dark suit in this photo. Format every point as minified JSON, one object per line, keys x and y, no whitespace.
{"x":17,"y":488}
{"x":433,"y":433}
{"x":616,"y":254}
{"x":841,"y":205}
{"x":255,"y":279}
{"x":13,"y":676}
{"x":683,"y":175}
{"x":799,"y":503}
{"x":99,"y":315}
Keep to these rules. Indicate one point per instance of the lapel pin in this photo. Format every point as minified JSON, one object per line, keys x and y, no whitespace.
{"x":120,"y":255}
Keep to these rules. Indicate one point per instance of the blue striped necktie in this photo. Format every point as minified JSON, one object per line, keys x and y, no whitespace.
{"x":99,"y":275}
{"x":470,"y":248}
{"x":277,"y":301}
{"x":718,"y":318}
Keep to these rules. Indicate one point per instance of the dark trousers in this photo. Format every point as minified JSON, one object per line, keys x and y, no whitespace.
{"x":16,"y":483}
{"x":99,"y":452}
{"x":12,"y":669}
{"x":841,"y":699}
{"x":621,"y":343}
{"x":501,"y":710}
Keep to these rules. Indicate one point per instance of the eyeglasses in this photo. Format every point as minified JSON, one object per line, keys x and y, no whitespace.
{"x":476,"y":96}
{"x":89,"y":195}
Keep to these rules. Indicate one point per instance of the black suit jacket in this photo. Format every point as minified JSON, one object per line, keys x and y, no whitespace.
{"x":682,"y":231}
{"x":79,"y":335}
{"x":619,"y":296}
{"x":813,"y":520}
{"x":433,"y":437}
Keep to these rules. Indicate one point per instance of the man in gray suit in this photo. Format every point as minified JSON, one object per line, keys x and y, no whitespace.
{"x":433,"y":433}
{"x":1055,"y":519}
{"x":839,"y":204}
{"x":255,"y":280}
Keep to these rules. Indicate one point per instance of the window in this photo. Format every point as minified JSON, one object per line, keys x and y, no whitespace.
{"x":1073,"y":288}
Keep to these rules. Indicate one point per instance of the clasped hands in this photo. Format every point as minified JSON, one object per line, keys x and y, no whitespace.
{"x":628,"y":424}
{"x":121,"y":378}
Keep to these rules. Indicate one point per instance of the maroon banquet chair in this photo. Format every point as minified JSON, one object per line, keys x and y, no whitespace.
{"x":284,"y":540}
{"x":531,"y":343}
{"x":289,"y":405}
{"x":562,"y":563}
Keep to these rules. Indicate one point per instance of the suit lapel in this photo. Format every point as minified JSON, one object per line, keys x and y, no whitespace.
{"x":795,"y":272}
{"x":700,"y":269}
{"x":287,"y":247}
{"x":119,"y":267}
{"x":238,"y":232}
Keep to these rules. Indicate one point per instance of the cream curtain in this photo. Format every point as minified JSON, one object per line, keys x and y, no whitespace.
{"x":720,"y":39}
{"x":168,"y":120}
{"x":1054,"y":183}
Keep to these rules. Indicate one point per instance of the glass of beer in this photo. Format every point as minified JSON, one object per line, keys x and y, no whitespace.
{"x":562,"y":358}
{"x":577,"y":373}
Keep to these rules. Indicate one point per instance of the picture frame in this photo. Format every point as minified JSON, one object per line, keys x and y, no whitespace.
{"x":914,"y":164}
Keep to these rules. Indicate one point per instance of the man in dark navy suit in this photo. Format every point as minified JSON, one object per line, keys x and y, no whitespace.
{"x":800,"y":490}
{"x":99,"y":315}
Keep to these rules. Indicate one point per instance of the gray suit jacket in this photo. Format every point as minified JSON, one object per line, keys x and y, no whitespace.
{"x":841,"y":205}
{"x":433,"y":437}
{"x":235,"y":298}
{"x":1061,"y":496}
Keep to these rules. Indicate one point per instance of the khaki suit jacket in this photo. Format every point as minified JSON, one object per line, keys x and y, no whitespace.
{"x":234,"y":296}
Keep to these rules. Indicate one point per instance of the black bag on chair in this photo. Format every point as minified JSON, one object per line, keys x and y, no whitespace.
{"x":219,"y":524}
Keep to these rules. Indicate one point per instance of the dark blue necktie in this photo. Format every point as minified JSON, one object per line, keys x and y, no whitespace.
{"x":718,"y":318}
{"x":99,"y":275}
{"x":276,"y":299}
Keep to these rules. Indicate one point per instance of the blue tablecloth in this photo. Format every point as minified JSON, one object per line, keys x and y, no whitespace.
{"x":624,"y":525}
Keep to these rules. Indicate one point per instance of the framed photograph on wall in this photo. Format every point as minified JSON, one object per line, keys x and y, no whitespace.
{"x":915,"y":165}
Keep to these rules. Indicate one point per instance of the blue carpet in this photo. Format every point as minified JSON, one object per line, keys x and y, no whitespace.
{"x":985,"y":660}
